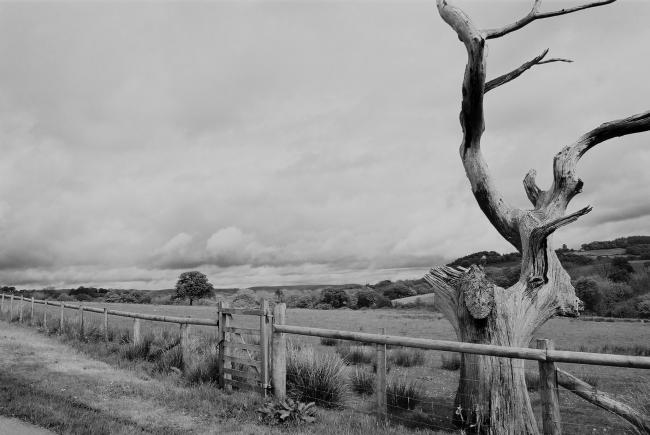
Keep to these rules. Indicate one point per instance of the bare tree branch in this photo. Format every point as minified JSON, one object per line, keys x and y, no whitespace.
{"x":534,"y":14}
{"x":498,"y":211}
{"x":530,"y":186}
{"x":505,"y":78}
{"x":565,"y":184}
{"x":538,"y":247}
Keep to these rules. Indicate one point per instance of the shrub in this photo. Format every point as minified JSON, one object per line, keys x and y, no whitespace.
{"x":450,"y":361}
{"x":625,"y":309}
{"x":328,"y":341}
{"x":589,"y":293}
{"x":205,"y":370}
{"x":617,"y":292}
{"x":323,"y":306}
{"x":139,"y":350}
{"x":643,"y":307}
{"x":366,"y":298}
{"x":407,"y":357}
{"x":337,"y":298}
{"x":398,"y":291}
{"x":640,"y":283}
{"x":404,"y":393}
{"x":320,"y":378}
{"x":382,"y":302}
{"x":363,"y":382}
{"x":245,"y":298}
{"x":505,"y":277}
{"x":354,"y":354}
{"x":305,"y":302}
{"x":170,"y":359}
{"x":112,"y":297}
{"x":620,"y":275}
{"x":64,"y":297}
{"x":93,"y":334}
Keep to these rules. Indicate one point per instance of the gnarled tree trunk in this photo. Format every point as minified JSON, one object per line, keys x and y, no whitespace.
{"x":492,"y":396}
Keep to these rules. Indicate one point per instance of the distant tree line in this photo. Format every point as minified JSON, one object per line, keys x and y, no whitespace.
{"x":621,"y":242}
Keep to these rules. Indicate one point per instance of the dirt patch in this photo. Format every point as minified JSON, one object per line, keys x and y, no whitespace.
{"x":17,"y":427}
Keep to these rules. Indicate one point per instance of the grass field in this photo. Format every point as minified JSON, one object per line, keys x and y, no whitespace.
{"x":629,"y":385}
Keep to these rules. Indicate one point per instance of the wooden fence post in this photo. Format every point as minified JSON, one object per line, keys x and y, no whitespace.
{"x":11,"y":308}
{"x":264,"y":342}
{"x":224,"y":337}
{"x":220,"y":338}
{"x":381,"y":380}
{"x":62,"y":319}
{"x":45,"y":317}
{"x":185,"y":346}
{"x":549,"y":393}
{"x":22,"y":305}
{"x":81,"y":321}
{"x":31,"y":317}
{"x":279,"y":351}
{"x":137,"y":337}
{"x":2,"y":304}
{"x":105,"y":324}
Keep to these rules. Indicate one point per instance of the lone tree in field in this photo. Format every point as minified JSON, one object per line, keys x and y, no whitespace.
{"x":192,"y":285}
{"x":492,"y":396}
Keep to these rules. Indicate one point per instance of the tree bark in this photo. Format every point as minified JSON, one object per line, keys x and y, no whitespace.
{"x":492,"y":397}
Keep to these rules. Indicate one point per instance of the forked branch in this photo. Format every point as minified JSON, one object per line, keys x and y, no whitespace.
{"x":505,"y":78}
{"x":535,"y":14}
{"x":565,"y":184}
{"x":538,"y":244}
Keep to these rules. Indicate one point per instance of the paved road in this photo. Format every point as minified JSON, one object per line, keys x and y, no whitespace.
{"x":13,"y":426}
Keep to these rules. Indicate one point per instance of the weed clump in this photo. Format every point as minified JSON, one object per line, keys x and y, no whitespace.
{"x":363,"y":382}
{"x":450,"y":361}
{"x":328,"y":341}
{"x":354,"y":354}
{"x":204,"y":371}
{"x":316,"y":377}
{"x":407,"y":357}
{"x":403,"y":393}
{"x":138,"y":351}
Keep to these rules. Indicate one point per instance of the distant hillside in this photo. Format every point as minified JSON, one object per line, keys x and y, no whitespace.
{"x":611,"y":277}
{"x":272,"y":288}
{"x":622,"y":242}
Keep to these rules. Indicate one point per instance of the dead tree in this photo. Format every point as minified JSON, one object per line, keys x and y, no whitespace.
{"x":492,"y":396}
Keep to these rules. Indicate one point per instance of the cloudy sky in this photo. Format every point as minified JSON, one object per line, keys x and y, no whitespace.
{"x":268,"y":142}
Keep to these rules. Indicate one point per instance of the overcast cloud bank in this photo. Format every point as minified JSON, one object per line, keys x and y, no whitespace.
{"x":292,"y":142}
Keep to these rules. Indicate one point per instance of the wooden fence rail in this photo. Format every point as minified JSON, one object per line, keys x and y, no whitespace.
{"x":640,"y":362}
{"x":142,"y":316}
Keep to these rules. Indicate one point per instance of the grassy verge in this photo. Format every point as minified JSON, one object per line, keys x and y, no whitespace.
{"x":60,"y":413}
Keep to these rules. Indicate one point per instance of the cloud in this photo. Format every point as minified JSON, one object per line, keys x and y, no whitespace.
{"x":231,"y":247}
{"x":291,"y":142}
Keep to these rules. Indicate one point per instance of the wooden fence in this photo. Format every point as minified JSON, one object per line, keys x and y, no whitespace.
{"x":550,"y":376}
{"x":233,"y":350}
{"x":264,"y":349}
